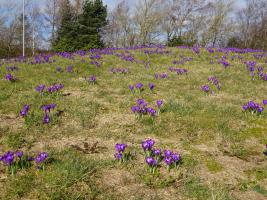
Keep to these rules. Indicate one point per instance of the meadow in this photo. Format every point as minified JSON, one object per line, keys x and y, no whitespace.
{"x":135,"y":123}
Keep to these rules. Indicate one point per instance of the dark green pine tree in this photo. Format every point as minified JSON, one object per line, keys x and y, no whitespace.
{"x":90,"y":23}
{"x":66,"y":32}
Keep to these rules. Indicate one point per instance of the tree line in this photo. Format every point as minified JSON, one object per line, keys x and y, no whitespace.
{"x":69,"y":25}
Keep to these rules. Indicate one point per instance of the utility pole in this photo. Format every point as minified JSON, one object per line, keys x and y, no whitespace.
{"x":23,"y":33}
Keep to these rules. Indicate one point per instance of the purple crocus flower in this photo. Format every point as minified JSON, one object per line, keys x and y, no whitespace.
{"x":131,"y":87}
{"x":167,"y":153}
{"x":148,"y":144}
{"x":264,"y":102}
{"x":205,"y":88}
{"x":168,"y":160}
{"x":157,"y":152}
{"x":225,"y":63}
{"x":245,"y":107}
{"x":139,"y":86}
{"x":19,"y":154}
{"x":49,"y":107}
{"x":151,"y":161}
{"x":118,"y":156}
{"x":120,"y":147}
{"x":260,"y":109}
{"x":253,"y":107}
{"x":159,"y":103}
{"x":40,"y":88}
{"x":135,"y":109}
{"x":46,"y":118}
{"x":141,"y":102}
{"x":9,"y":77}
{"x":151,"y":86}
{"x":8,"y":158}
{"x":25,"y":110}
{"x":176,"y":157}
{"x":41,"y":157}
{"x":92,"y":79}
{"x":152,"y":112}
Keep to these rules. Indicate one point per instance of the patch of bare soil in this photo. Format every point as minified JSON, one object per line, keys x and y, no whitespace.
{"x":126,"y":186}
{"x":11,"y":121}
{"x":233,"y":167}
{"x":249,"y":195}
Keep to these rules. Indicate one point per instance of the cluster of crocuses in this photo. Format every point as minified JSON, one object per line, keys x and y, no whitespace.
{"x":19,"y":160}
{"x":140,"y":87}
{"x":126,"y":57}
{"x":12,"y":68}
{"x":42,"y":59}
{"x":179,"y":71}
{"x":141,"y":108}
{"x":10,"y":77}
{"x":251,"y":67}
{"x":95,"y":63}
{"x":47,"y":108}
{"x":50,"y":89}
{"x":182,"y":60}
{"x":224,"y":62}
{"x":96,"y":56}
{"x":119,"y":70}
{"x":121,"y":154}
{"x":161,"y":76}
{"x":154,"y":156}
{"x":214,"y":81}
{"x":253,"y":107}
{"x":157,"y":51}
{"x":208,"y":89}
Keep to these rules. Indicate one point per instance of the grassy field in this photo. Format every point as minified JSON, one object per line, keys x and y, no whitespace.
{"x":220,"y":144}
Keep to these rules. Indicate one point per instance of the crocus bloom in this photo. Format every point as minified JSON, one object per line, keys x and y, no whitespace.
{"x":151,"y":161}
{"x":139,"y":86}
{"x":151,"y":86}
{"x":92,"y":79}
{"x":168,"y":160}
{"x":176,"y":157}
{"x":131,"y":87}
{"x":159,"y":103}
{"x":253,"y":107}
{"x":49,"y":107}
{"x":19,"y":154}
{"x":40,"y":88}
{"x":264,"y":102}
{"x":24,"y":111}
{"x":167,"y":153}
{"x":9,"y":77}
{"x":205,"y":88}
{"x":120,"y":147}
{"x":152,"y":112}
{"x":8,"y":158}
{"x":157,"y":152}
{"x":46,"y":118}
{"x":41,"y":157}
{"x":118,"y":156}
{"x":148,"y":144}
